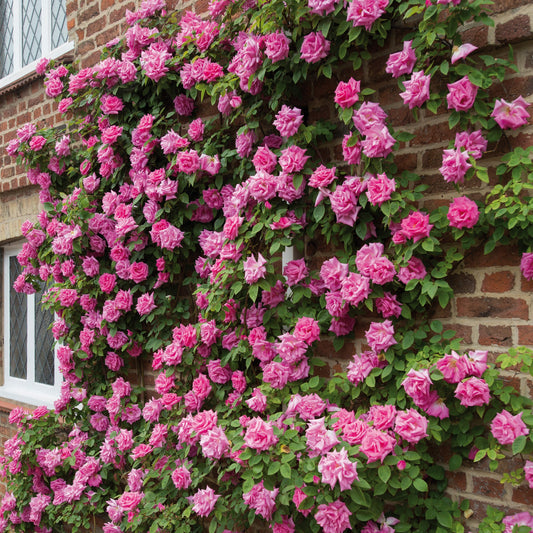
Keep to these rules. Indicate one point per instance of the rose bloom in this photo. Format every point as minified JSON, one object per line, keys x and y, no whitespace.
{"x":463,"y":213}
{"x":295,"y":271}
{"x":377,"y":445}
{"x":453,"y":367}
{"x":347,"y":93}
{"x":411,"y":426}
{"x":379,"y":189}
{"x":518,"y":519}
{"x":510,"y":115}
{"x":462,"y":94}
{"x":259,"y":435}
{"x":288,"y":120}
{"x":314,"y":47}
{"x":307,"y":330}
{"x":505,"y":427}
{"x":380,"y":336}
{"x":181,"y":478}
{"x":333,"y":517}
{"x":416,"y":226}
{"x":460,"y":52}
{"x":204,"y":501}
{"x":526,"y":265}
{"x":336,"y":467}
{"x":276,"y":46}
{"x":416,"y":89}
{"x":528,"y":472}
{"x":365,"y":12}
{"x":417,"y":385}
{"x":401,"y":62}
{"x":472,"y":392}
{"x":454,"y":165}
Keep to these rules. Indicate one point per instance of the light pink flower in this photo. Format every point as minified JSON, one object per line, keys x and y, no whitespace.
{"x":380,"y":336}
{"x":463,"y":213}
{"x":319,"y":439}
{"x":254,"y":269}
{"x":379,"y":189}
{"x":288,"y":120}
{"x":526,"y":265}
{"x":417,"y":385}
{"x":365,"y":12}
{"x":336,"y":467}
{"x":204,"y":501}
{"x":454,"y":165}
{"x":510,"y":115}
{"x":416,"y":89}
{"x":261,"y":500}
{"x":460,"y":52}
{"x":314,"y":47}
{"x":462,"y":94}
{"x":259,"y":435}
{"x":376,"y":445}
{"x":472,"y":392}
{"x":401,"y":62}
{"x":276,"y":46}
{"x":347,"y":93}
{"x":506,"y":427}
{"x":411,"y":426}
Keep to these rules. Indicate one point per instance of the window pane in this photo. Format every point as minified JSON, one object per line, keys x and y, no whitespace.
{"x":6,"y":37}
{"x":31,"y":35}
{"x":59,"y":23}
{"x":44,"y":344}
{"x":18,"y":328}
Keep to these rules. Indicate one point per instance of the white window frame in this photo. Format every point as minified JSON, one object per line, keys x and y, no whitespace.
{"x":20,"y":71}
{"x":25,"y":390}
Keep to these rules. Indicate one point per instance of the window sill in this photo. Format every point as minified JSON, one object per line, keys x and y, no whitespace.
{"x":35,"y":399}
{"x":27,"y":74}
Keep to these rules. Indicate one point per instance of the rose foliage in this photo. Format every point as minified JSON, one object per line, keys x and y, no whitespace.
{"x":206,"y":237}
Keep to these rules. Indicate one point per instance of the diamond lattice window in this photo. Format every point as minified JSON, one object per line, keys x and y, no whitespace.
{"x":30,"y":368}
{"x":29,"y":30}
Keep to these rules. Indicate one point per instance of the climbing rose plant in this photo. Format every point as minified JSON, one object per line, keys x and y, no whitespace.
{"x":205,"y":237}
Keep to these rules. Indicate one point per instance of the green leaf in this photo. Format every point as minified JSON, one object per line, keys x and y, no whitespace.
{"x":285,"y":471}
{"x":420,"y":485}
{"x":445,"y":519}
{"x":519,"y":444}
{"x":384,"y":473}
{"x":455,"y":462}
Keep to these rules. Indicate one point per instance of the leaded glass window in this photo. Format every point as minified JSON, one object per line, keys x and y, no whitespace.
{"x":29,"y":30}
{"x":30,"y":368}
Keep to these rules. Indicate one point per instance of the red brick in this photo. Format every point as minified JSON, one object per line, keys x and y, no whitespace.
{"x":517,"y":29}
{"x":478,"y":36}
{"x":485,"y":486}
{"x":462,"y":283}
{"x":495,"y":335}
{"x":498,"y":282}
{"x":492,"y":307}
{"x":525,"y":335}
{"x":457,"y":480}
{"x":500,"y":256}
{"x":523,"y":495}
{"x":461,"y":332}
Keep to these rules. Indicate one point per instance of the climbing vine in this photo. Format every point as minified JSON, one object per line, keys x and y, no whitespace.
{"x":205,"y":228}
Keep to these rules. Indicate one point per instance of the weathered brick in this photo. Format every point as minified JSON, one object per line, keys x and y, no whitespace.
{"x":492,"y":307}
{"x":462,"y":283}
{"x":517,"y":29}
{"x":498,"y":282}
{"x":495,"y":335}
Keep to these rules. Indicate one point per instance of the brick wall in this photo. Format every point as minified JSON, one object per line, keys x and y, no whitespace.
{"x":493,"y":304}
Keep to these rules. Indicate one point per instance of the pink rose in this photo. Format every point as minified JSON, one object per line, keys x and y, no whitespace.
{"x":463,"y":213}
{"x":510,"y":115}
{"x":181,"y":478}
{"x":107,"y":282}
{"x":472,"y":392}
{"x":411,"y":426}
{"x":506,"y":427}
{"x":379,"y":189}
{"x":366,"y":12}
{"x":416,"y":226}
{"x":295,"y":271}
{"x":336,"y":467}
{"x":138,"y":271}
{"x":276,"y":46}
{"x":460,"y":52}
{"x":203,"y":501}
{"x":259,"y":435}
{"x":526,"y":265}
{"x":401,"y":62}
{"x":380,"y":336}
{"x":347,"y":93}
{"x":462,"y":94}
{"x":376,"y":445}
{"x":307,"y":330}
{"x":454,"y":165}
{"x":288,"y":120}
{"x":416,"y":89}
{"x":314,"y":47}
{"x":111,"y":105}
